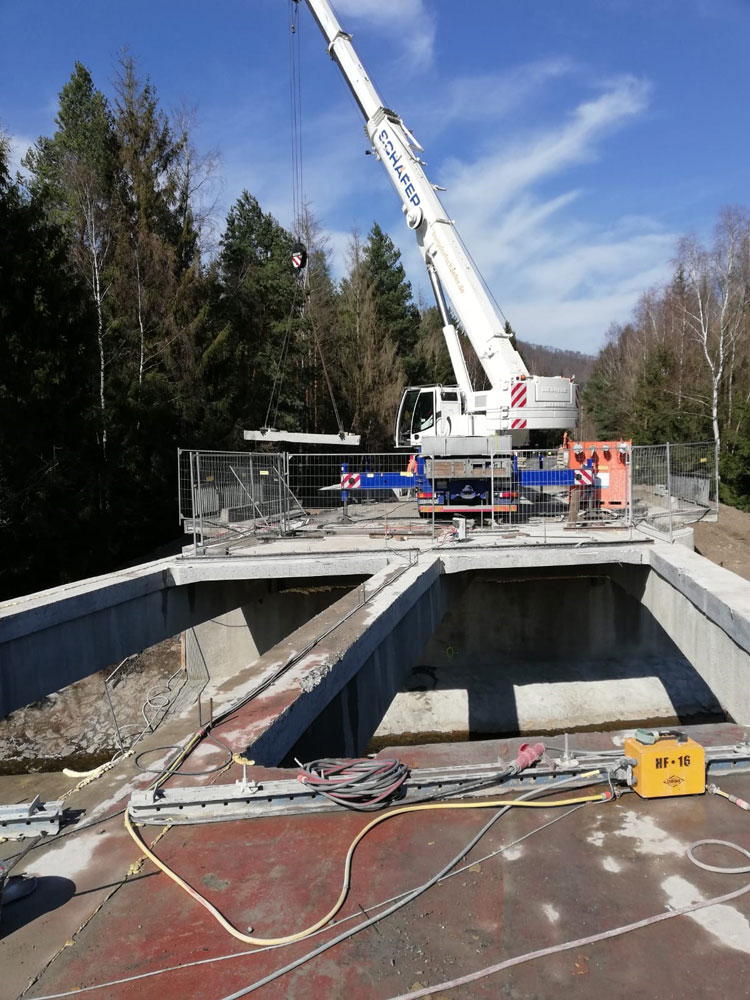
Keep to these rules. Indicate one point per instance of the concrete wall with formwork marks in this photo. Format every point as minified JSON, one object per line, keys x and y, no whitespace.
{"x":51,"y":639}
{"x":547,"y":649}
{"x":477,"y":638}
{"x":225,"y":644}
{"x":705,"y":611}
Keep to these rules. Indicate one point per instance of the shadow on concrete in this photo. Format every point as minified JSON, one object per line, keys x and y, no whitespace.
{"x":52,"y":891}
{"x":548,"y":651}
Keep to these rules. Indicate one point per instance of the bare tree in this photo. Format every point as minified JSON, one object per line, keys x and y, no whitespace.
{"x":93,"y":210}
{"x":196,"y":174}
{"x":716,"y":300}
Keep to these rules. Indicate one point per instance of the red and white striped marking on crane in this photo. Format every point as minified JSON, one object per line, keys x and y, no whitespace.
{"x":350,"y":480}
{"x":518,"y":394}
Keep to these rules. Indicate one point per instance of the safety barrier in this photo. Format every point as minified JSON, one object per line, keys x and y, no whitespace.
{"x":227,"y":496}
{"x":674,"y":484}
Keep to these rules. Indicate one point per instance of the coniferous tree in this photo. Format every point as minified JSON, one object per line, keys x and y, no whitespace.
{"x":369,"y":367}
{"x":250,"y":365}
{"x":47,"y":373}
{"x":392,"y":296}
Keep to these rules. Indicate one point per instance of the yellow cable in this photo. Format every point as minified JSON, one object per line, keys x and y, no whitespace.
{"x":288,"y":939}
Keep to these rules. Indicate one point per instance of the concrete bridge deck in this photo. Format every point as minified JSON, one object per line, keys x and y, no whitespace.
{"x":309,"y":640}
{"x":50,"y":639}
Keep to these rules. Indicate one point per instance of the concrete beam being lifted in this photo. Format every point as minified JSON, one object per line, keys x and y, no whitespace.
{"x":295,"y":437}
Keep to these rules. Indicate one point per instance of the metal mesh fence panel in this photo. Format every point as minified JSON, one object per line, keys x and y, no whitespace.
{"x":674,"y":484}
{"x":353,"y":480}
{"x":226,"y":496}
{"x":650,"y":485}
{"x":567,"y":485}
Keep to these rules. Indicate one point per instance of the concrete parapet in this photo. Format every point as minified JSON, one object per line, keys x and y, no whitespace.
{"x":705,"y":610}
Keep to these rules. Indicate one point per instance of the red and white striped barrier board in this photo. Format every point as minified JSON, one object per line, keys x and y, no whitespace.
{"x":585,"y":477}
{"x":350,"y":481}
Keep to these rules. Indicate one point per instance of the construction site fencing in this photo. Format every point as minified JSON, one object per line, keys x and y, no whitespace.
{"x":567,"y":486}
{"x":317,"y":479}
{"x":226,"y":496}
{"x":361,"y":490}
{"x":674,"y":484}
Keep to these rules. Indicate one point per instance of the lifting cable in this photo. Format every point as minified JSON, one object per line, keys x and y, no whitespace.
{"x":278,"y":380}
{"x":299,"y":211}
{"x":295,"y":94}
{"x":295,"y":119}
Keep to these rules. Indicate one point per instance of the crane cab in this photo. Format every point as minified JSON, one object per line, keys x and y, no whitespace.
{"x":427,"y":411}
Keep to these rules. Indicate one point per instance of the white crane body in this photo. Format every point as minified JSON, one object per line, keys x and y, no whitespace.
{"x":517,"y":401}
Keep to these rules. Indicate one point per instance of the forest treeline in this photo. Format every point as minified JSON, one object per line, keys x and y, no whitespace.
{"x":124,"y":335}
{"x":680,"y":369}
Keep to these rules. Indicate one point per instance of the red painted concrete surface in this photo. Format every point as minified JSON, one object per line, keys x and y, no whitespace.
{"x":604,"y":865}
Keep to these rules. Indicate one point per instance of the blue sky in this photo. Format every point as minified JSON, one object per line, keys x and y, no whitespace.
{"x":577,"y":138}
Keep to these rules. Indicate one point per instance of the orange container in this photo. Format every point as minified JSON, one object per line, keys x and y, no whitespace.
{"x":603,"y":465}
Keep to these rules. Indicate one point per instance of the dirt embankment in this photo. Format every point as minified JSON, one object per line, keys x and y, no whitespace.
{"x":727,"y":541}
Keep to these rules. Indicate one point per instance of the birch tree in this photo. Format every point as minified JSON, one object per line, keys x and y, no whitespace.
{"x":75,"y":172}
{"x":716,"y":300}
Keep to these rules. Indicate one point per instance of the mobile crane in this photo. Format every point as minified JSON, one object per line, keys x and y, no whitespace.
{"x":517,"y":401}
{"x":455,"y":430}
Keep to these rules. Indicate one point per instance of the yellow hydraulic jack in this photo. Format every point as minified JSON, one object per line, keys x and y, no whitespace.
{"x":666,"y":762}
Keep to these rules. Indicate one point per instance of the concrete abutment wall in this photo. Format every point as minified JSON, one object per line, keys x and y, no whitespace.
{"x":485,"y":637}
{"x":544,"y":650}
{"x":51,"y":639}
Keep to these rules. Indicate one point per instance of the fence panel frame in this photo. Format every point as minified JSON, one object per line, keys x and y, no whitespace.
{"x":211,"y":485}
{"x":681,"y":478}
{"x":225,"y":497}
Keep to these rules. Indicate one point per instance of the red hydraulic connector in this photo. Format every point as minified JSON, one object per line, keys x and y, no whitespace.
{"x":715,"y":790}
{"x":527,"y":755}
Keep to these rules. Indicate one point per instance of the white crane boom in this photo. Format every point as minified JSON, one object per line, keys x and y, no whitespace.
{"x":517,"y":402}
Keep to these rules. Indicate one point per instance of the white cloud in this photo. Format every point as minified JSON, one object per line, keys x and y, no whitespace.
{"x":488,"y":96}
{"x":560,"y":280}
{"x":19,"y":146}
{"x":494,"y":178}
{"x":561,"y":275}
{"x":408,"y":21}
